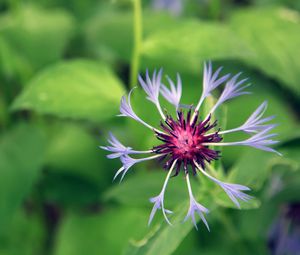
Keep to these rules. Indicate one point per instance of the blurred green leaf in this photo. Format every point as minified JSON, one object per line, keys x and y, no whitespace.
{"x":110,"y":32}
{"x":12,"y":64}
{"x":21,"y":158}
{"x":273,"y":35}
{"x":38,"y":35}
{"x":80,"y":89}
{"x":253,"y":175}
{"x":186,"y":44}
{"x":69,"y":190}
{"x":104,"y":233}
{"x":290,"y":189}
{"x":285,"y":182}
{"x":148,"y":184}
{"x":291,"y":155}
{"x":163,"y":239}
{"x":26,"y":235}
{"x":71,"y":149}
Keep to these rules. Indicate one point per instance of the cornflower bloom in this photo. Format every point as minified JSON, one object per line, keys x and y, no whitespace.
{"x":187,"y":141}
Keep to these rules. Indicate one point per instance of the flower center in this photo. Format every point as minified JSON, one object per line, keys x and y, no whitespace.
{"x":183,"y":141}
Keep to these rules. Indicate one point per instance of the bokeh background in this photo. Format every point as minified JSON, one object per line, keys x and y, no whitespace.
{"x":64,"y":65}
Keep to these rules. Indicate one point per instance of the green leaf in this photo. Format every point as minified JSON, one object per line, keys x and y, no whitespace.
{"x":72,"y":150}
{"x":21,"y":158}
{"x":25,"y":236}
{"x":38,"y":35}
{"x":251,"y":174}
{"x":163,"y":239}
{"x":148,"y":184}
{"x":79,"y":89}
{"x":188,"y":43}
{"x":273,"y":36}
{"x":105,"y":233}
{"x":69,"y":191}
{"x":110,"y":33}
{"x":254,"y":167}
{"x":12,"y":64}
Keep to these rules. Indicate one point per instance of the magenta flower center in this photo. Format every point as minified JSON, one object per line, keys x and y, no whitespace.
{"x":183,"y":141}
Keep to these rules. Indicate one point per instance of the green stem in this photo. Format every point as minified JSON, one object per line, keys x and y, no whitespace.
{"x":137,"y":34}
{"x":215,"y":9}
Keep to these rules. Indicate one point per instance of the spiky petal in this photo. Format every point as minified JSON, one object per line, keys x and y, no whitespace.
{"x":255,"y":122}
{"x":234,"y":191}
{"x":232,"y":89}
{"x":127,"y":111}
{"x":195,"y":207}
{"x":117,"y":148}
{"x":173,"y":94}
{"x":151,"y":86}
{"x":210,"y":82}
{"x":262,"y":140}
{"x":128,"y":162}
{"x":159,"y":200}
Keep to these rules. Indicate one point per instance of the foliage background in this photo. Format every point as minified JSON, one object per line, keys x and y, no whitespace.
{"x":64,"y":65}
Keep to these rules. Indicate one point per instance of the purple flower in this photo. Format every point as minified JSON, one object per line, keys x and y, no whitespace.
{"x":173,"y":6}
{"x":285,"y":233}
{"x":187,"y":143}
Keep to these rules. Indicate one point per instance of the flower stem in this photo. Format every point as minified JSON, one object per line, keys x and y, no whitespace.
{"x":137,"y":37}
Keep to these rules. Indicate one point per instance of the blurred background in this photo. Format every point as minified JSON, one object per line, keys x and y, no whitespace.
{"x":64,"y":65}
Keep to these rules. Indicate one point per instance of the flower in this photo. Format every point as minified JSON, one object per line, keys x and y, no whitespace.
{"x":187,"y":142}
{"x":173,"y":6}
{"x":284,"y":234}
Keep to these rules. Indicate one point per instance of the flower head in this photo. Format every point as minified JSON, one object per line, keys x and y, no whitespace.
{"x":187,"y":142}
